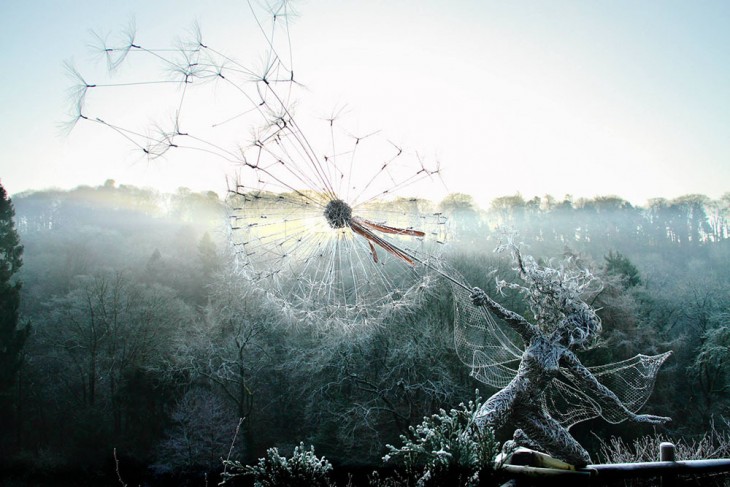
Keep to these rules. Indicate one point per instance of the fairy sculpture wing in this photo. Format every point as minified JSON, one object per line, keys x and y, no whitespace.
{"x":631,"y":380}
{"x":489,"y":347}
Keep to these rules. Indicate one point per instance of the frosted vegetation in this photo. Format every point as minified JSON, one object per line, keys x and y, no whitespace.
{"x":168,"y":332}
{"x":145,"y":339}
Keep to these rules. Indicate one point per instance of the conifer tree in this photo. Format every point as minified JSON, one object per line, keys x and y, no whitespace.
{"x":12,"y":335}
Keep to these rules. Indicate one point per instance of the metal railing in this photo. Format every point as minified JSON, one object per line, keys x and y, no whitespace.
{"x":529,"y":467}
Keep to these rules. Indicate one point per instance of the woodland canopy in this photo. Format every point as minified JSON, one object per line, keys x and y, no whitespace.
{"x":144,"y":341}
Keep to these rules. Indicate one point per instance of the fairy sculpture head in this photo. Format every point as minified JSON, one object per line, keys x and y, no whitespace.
{"x":556,"y":296}
{"x":579,"y":328}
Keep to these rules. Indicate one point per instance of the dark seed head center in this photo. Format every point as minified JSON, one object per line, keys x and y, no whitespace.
{"x":338,"y":213}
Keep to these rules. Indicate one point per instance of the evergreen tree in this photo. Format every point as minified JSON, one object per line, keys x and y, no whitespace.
{"x":208,"y":253}
{"x":12,"y":338}
{"x":619,"y":265}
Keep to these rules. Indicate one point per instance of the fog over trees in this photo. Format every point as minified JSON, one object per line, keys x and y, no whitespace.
{"x":134,"y":332}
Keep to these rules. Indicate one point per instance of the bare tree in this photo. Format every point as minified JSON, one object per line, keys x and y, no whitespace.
{"x":228,"y":349}
{"x":103,"y":329}
{"x":201,"y":432}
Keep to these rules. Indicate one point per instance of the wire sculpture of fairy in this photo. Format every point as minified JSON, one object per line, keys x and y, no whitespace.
{"x":319,"y":215}
{"x":544,"y":387}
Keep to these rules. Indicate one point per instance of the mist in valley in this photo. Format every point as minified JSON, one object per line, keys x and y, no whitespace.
{"x":146,"y":342}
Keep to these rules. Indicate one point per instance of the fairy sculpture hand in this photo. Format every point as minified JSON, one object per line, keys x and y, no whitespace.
{"x":478,"y":297}
{"x":650,"y":419}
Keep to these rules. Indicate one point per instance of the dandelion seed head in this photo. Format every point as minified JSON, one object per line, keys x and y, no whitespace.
{"x":338,"y":213}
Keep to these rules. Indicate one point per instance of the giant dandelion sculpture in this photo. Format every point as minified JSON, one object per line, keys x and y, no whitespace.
{"x":320,"y":216}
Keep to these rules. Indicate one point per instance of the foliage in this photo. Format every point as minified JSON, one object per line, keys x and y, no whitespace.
{"x":200,"y":433}
{"x":447,"y":446}
{"x":711,"y":366}
{"x":12,"y":336}
{"x":364,"y":388}
{"x":715,"y":351}
{"x":302,"y":469}
{"x":712,"y":444}
{"x":186,"y":320}
{"x":618,"y":264}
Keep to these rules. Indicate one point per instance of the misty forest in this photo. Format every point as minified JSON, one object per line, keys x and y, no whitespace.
{"x":325,"y":322}
{"x":137,"y":342}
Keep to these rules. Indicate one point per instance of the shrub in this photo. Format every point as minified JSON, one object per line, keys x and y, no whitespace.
{"x":302,"y":469}
{"x":713,"y":444}
{"x":447,"y":447}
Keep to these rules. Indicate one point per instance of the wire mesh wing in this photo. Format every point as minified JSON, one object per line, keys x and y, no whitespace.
{"x":483,"y":342}
{"x":631,"y":380}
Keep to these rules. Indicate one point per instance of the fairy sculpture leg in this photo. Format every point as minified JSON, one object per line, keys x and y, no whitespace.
{"x":520,"y":438}
{"x":554,"y":439}
{"x":498,"y":408}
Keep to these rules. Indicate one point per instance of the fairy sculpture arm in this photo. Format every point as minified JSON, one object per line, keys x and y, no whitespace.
{"x":525,"y":329}
{"x":588,"y":380}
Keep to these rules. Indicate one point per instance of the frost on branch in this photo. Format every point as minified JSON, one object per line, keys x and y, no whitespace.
{"x":302,"y":468}
{"x":447,"y":446}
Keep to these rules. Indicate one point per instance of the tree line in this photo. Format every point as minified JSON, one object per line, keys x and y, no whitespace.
{"x":141,"y":338}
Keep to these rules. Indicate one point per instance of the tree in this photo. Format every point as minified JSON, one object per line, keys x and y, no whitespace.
{"x":12,"y":337}
{"x":208,"y":254}
{"x":228,"y":350}
{"x":12,"y":334}
{"x":619,"y":265}
{"x":201,"y":434}
{"x":711,"y":367}
{"x":510,"y":209}
{"x":364,"y":389}
{"x":448,"y":449}
{"x":463,"y":215}
{"x":100,"y":337}
{"x":691,"y":224}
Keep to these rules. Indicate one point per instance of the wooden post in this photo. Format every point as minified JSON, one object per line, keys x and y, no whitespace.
{"x":667,"y":453}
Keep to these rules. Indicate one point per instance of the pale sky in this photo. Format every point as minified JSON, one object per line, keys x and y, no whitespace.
{"x":627,"y":98}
